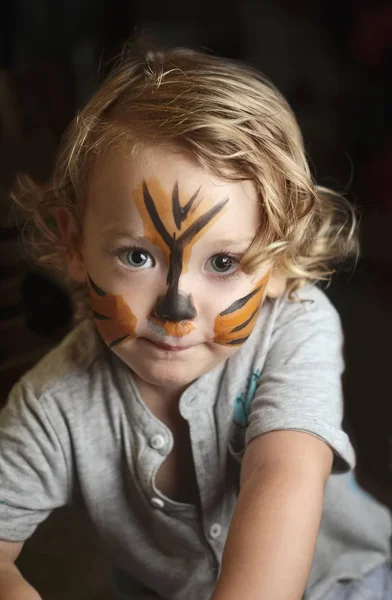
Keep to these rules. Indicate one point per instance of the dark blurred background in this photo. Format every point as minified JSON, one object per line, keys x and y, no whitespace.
{"x":332,"y":60}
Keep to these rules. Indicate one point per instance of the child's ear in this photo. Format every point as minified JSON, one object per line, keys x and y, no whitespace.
{"x":71,"y":237}
{"x":276,"y":285}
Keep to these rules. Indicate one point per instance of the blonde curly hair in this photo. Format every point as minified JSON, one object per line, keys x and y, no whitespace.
{"x":232,"y":120}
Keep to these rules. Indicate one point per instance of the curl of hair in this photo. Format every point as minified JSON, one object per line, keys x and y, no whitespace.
{"x":235,"y":123}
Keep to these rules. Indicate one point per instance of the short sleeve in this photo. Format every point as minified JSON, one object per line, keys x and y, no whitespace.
{"x":300,"y":387}
{"x":34,"y":478}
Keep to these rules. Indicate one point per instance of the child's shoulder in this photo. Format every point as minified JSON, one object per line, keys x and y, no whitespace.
{"x":307,"y":313}
{"x":307,"y":319}
{"x":309,"y":302}
{"x":68,"y":364}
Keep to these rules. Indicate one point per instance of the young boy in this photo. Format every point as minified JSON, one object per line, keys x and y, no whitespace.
{"x":196,"y":410}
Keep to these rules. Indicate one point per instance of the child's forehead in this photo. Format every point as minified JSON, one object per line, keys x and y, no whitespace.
{"x":121,"y":166}
{"x":118,"y":178}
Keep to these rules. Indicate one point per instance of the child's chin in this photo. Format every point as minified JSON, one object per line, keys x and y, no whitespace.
{"x":167,"y":376}
{"x":173,"y":372}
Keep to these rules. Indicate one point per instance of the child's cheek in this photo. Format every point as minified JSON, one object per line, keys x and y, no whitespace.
{"x":113,"y":318}
{"x":233,"y":326}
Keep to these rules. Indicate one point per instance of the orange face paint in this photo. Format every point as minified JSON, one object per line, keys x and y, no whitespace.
{"x":234,"y":325}
{"x":114,"y":319}
{"x":174,"y":218}
{"x":150,"y":232}
{"x":172,"y":329}
{"x":175,"y":228}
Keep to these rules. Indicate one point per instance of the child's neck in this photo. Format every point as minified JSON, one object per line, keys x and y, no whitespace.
{"x":162,"y":402}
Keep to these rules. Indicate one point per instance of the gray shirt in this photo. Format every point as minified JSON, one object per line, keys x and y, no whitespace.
{"x":76,"y":429}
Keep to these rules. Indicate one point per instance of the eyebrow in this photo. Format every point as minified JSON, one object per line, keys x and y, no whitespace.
{"x":111,"y":231}
{"x":243,"y":242}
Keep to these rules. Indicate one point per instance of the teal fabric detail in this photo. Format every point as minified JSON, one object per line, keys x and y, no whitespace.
{"x":243,"y":401}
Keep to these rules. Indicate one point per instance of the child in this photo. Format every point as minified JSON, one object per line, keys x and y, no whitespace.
{"x":196,"y":410}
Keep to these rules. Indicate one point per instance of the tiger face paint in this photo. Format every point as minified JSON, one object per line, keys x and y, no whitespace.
{"x":114,"y":319}
{"x":163,"y":241}
{"x":234,"y":325}
{"x":175,"y":233}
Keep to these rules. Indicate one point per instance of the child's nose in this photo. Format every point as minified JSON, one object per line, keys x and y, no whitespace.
{"x":175,"y":307}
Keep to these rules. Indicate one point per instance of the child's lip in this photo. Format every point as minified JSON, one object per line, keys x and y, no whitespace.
{"x":168,"y":347}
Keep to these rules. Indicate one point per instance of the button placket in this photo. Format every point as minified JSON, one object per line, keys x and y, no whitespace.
{"x":157,"y":442}
{"x":157,"y":502}
{"x":215,"y":530}
{"x":206,"y":459}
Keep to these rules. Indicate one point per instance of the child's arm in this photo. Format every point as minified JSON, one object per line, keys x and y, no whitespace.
{"x":272,"y":537}
{"x":12,"y":584}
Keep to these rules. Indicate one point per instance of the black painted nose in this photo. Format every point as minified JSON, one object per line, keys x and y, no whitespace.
{"x":175,"y":308}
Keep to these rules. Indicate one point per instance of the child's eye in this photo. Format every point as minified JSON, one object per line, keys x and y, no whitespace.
{"x":222,"y":263}
{"x":137,"y":259}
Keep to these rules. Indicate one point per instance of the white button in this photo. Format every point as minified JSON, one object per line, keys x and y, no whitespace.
{"x":157,"y":503}
{"x":157,"y":441}
{"x":215,"y":530}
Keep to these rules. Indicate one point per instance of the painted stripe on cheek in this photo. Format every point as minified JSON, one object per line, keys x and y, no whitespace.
{"x":234,"y":325}
{"x":113,"y":318}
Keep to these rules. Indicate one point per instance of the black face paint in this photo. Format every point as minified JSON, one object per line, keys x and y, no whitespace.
{"x":113,"y":317}
{"x":175,"y":306}
{"x":180,"y":213}
{"x":240,"y":303}
{"x":95,"y":287}
{"x":243,"y":325}
{"x":234,"y":325}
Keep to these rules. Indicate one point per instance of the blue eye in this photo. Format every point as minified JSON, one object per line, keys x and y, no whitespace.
{"x":138,"y":259}
{"x":222,"y":263}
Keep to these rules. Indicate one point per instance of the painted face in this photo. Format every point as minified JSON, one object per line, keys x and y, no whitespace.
{"x":163,"y":241}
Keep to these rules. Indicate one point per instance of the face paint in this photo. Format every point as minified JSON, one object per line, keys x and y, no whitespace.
{"x":167,"y":328}
{"x":158,"y":221}
{"x":234,"y":325}
{"x":114,"y":319}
